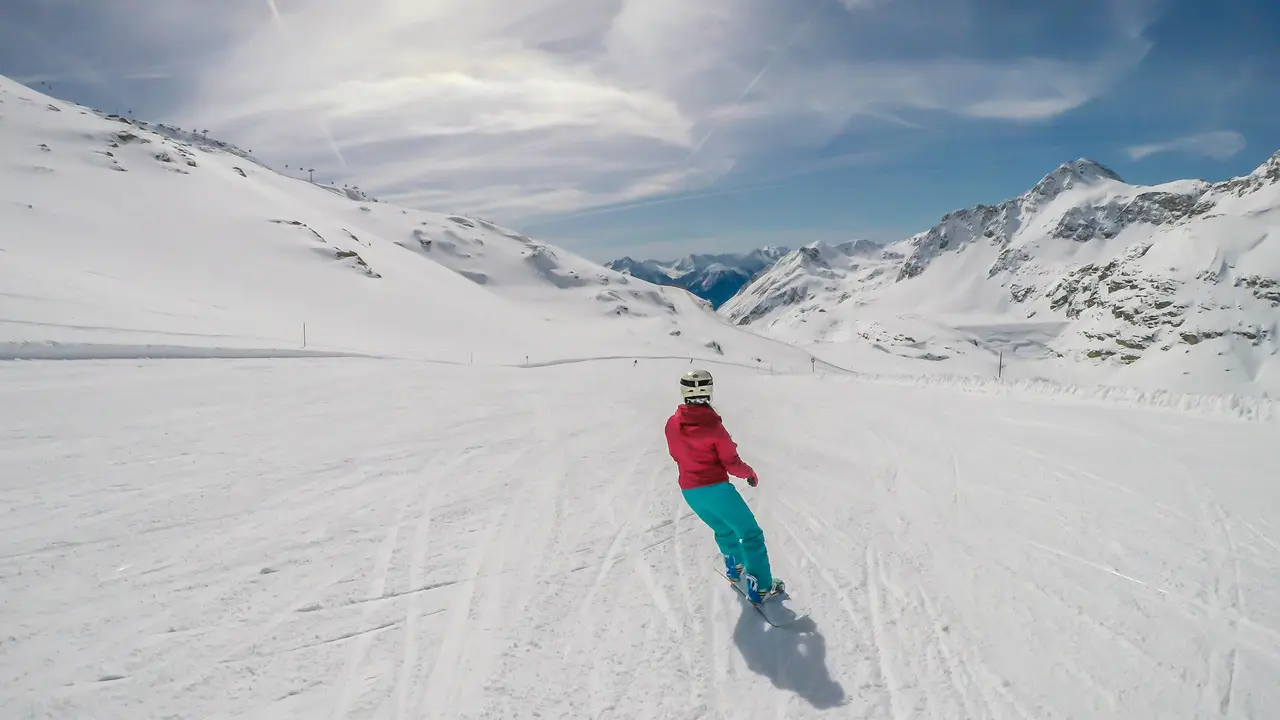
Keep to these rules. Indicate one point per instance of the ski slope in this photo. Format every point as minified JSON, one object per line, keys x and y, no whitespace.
{"x":365,"y":538}
{"x":125,"y":239}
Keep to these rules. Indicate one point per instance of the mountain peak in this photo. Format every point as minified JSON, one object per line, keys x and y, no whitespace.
{"x":860,"y":246}
{"x":1087,"y":169}
{"x":1270,"y":168}
{"x":1073,"y":174}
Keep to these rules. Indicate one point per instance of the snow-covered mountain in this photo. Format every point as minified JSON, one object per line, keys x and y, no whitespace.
{"x":714,"y":278}
{"x":116,"y":233}
{"x":1083,"y":276}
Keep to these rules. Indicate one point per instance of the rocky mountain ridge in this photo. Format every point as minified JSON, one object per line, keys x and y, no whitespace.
{"x":712,"y":277}
{"x":1123,"y":272}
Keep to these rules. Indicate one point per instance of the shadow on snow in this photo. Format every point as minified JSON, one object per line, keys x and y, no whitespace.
{"x":793,"y":657}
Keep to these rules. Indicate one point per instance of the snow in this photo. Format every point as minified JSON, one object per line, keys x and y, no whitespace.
{"x":1086,"y":279}
{"x":107,"y":245}
{"x":453,"y":500}
{"x":365,"y":538}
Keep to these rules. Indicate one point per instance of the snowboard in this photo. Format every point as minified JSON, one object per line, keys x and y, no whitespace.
{"x":778,"y":611}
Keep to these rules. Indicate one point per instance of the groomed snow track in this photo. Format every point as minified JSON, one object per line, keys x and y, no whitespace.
{"x":350,"y":538}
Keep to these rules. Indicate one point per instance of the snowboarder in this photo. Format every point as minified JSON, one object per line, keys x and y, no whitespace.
{"x":706,"y":455}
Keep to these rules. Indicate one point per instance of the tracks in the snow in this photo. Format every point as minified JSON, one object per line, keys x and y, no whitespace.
{"x":377,"y":584}
{"x":530,"y":553}
{"x":1225,"y":595}
{"x":919,"y":659}
{"x":406,"y":695}
{"x":481,"y":521}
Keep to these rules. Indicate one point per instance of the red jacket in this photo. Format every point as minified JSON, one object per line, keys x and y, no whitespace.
{"x":702,"y":448}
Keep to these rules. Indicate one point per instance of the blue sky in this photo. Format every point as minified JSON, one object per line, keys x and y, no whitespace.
{"x":660,"y":127}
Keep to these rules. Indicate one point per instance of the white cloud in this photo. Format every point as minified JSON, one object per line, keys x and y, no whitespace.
{"x":1217,"y":145}
{"x":549,"y":106}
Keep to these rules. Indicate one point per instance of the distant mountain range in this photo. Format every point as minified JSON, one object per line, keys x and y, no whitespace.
{"x":1164,"y":285}
{"x":715,"y":278}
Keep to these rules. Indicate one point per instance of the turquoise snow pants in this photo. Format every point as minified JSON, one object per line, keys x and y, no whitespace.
{"x":737,"y":532}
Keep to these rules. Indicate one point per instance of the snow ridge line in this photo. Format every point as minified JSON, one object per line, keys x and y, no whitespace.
{"x":54,"y":350}
{"x":96,"y":351}
{"x":1242,"y":407}
{"x":602,"y":358}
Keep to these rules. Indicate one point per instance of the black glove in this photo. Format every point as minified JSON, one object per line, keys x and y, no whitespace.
{"x":753,"y":481}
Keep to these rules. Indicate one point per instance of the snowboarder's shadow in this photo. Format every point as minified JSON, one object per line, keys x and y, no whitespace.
{"x":793,"y":657}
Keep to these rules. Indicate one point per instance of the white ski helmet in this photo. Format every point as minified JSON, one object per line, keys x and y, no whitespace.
{"x":696,"y":386}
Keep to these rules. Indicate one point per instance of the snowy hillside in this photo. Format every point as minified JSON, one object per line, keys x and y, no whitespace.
{"x":714,"y":278}
{"x":124,"y":238}
{"x":1083,"y":278}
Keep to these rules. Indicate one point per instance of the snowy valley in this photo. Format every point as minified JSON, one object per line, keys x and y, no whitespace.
{"x":271,"y":449}
{"x":1082,"y":279}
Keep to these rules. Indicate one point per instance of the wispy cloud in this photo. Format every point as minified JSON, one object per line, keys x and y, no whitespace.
{"x":523,"y":109}
{"x":779,"y":53}
{"x":685,"y":197}
{"x":1217,"y":145}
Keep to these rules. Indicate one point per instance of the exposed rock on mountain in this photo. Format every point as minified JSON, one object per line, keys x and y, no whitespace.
{"x":1183,"y":277}
{"x":715,"y":278}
